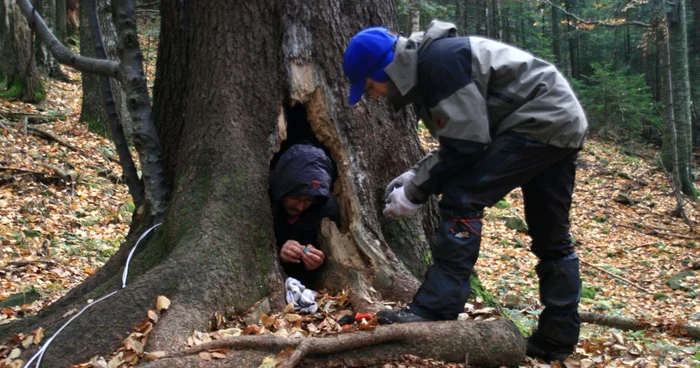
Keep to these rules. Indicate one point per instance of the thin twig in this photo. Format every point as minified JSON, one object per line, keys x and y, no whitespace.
{"x":642,"y":246}
{"x":599,"y":22}
{"x":656,"y":233}
{"x":615,"y":276}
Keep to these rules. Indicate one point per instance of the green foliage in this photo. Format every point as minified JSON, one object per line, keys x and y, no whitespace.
{"x":502,"y":204}
{"x":14,"y":91}
{"x":96,"y":126}
{"x":588,"y":293}
{"x":618,"y":104}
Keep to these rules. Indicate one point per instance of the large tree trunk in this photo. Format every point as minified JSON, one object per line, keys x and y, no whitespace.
{"x":678,"y":43}
{"x":226,"y":74}
{"x":93,"y":110}
{"x":17,"y":67}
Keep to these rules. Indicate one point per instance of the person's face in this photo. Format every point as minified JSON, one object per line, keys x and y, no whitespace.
{"x":376,"y":89}
{"x":295,"y":205}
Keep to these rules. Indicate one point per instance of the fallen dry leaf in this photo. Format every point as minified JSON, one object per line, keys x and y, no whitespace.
{"x":38,"y":335}
{"x":162,"y":303}
{"x":153,"y":355}
{"x":205,"y":356}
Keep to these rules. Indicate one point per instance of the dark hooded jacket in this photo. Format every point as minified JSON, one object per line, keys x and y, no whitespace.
{"x":303,"y":170}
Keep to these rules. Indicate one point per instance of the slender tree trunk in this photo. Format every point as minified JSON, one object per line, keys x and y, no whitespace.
{"x":669,"y":152}
{"x":45,"y":62}
{"x":573,"y":40}
{"x":72,"y":17}
{"x":93,"y":111}
{"x":17,"y":66}
{"x":415,"y":16}
{"x":694,"y":63}
{"x":678,"y":43}
{"x":116,"y":128}
{"x":61,"y":20}
{"x":556,"y":37}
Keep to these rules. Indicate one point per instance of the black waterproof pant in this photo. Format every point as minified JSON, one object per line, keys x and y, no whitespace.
{"x":546,"y":175}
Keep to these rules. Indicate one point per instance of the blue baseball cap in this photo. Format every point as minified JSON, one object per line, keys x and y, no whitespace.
{"x":368,"y":53}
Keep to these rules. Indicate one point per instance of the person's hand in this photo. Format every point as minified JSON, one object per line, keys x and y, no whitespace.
{"x":291,"y":252}
{"x":398,"y":182}
{"x":312,"y":257}
{"x":398,"y":206}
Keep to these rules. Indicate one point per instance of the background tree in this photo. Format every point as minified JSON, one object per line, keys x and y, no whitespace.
{"x":19,"y":76}
{"x":46,"y":63}
{"x":93,"y":110}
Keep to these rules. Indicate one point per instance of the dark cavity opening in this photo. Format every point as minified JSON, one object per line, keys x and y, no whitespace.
{"x":303,"y":227}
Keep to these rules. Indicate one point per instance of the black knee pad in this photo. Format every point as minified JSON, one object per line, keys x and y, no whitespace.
{"x":560,"y":282}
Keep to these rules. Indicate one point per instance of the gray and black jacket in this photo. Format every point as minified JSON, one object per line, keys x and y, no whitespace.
{"x":469,"y":90}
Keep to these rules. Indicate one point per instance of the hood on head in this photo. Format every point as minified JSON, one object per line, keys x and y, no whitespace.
{"x":303,"y":170}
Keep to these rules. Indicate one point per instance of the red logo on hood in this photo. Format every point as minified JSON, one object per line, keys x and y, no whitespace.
{"x":316,"y":184}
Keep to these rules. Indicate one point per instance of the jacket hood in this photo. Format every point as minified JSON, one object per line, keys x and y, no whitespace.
{"x":403,"y":70}
{"x":303,"y":170}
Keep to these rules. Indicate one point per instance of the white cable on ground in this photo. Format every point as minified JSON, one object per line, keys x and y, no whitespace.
{"x":128,"y":259}
{"x":40,"y":354}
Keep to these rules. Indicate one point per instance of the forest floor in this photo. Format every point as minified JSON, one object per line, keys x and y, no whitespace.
{"x":64,"y":211}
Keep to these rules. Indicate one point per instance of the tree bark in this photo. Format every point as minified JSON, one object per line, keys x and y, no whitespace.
{"x":46,"y":63}
{"x":110,"y":107}
{"x":678,"y":43}
{"x":414,"y":16}
{"x":61,"y":20}
{"x":556,"y":37}
{"x":72,"y":17}
{"x":226,"y":73}
{"x":17,"y":66}
{"x":669,"y":152}
{"x":93,"y":110}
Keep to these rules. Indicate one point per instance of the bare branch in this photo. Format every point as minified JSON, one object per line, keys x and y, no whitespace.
{"x":599,"y":22}
{"x":145,"y":135}
{"x":60,"y":51}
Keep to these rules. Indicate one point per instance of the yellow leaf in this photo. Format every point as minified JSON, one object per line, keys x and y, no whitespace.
{"x":162,"y":303}
{"x":268,"y":362}
{"x":15,"y":353}
{"x":292,"y":317}
{"x":38,"y":335}
{"x":153,"y":355}
{"x":27,"y":341}
{"x":218,"y":355}
{"x":153,"y":315}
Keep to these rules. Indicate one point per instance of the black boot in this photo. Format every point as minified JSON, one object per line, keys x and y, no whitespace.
{"x":387,"y":317}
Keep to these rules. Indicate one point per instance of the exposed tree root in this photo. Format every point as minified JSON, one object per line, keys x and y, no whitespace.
{"x":492,"y":343}
{"x":640,"y":324}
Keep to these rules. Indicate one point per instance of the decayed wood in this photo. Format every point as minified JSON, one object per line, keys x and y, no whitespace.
{"x":636,"y":324}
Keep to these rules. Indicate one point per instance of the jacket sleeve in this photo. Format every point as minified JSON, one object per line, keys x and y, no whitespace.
{"x":463,"y":133}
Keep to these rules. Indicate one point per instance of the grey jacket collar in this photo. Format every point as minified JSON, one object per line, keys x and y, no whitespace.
{"x":403,"y":70}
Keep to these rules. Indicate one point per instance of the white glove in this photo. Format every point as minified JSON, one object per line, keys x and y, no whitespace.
{"x":398,"y":206}
{"x":399,"y":181}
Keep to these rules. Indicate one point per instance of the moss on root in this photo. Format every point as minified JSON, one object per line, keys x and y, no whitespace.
{"x":479,"y":291}
{"x":14,"y":91}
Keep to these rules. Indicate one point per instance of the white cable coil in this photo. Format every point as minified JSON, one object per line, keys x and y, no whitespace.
{"x":40,"y":354}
